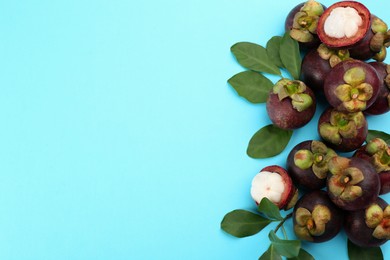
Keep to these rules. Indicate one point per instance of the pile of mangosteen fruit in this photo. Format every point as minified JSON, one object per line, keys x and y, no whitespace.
{"x":344,"y":48}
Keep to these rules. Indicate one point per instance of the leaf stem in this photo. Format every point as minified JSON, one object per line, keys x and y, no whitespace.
{"x":282,"y":222}
{"x":284,"y":232}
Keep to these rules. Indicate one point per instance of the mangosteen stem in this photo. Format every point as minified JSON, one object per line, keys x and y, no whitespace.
{"x":282,"y":222}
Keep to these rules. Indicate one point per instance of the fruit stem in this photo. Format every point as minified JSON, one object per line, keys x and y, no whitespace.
{"x":282,"y":222}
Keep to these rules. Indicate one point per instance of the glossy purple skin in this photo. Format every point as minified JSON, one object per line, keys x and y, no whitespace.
{"x":304,"y":179}
{"x":370,"y":186}
{"x":314,"y":70}
{"x":289,"y":23}
{"x":381,"y":104}
{"x":357,"y":230}
{"x":362,"y":50}
{"x":384,"y":176}
{"x":319,"y":197}
{"x":283,"y":115}
{"x":347,"y":144}
{"x":335,"y":79}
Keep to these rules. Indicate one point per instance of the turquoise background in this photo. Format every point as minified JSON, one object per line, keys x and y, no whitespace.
{"x":120,"y":137}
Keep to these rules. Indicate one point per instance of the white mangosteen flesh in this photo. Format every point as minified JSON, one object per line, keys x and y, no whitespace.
{"x":267,"y":184}
{"x":342,"y":22}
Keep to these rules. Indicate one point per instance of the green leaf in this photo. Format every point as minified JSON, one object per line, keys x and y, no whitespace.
{"x":356,"y":252}
{"x":270,"y":254}
{"x":303,"y":255}
{"x":269,"y":209}
{"x":252,"y":86}
{"x":290,"y":56}
{"x":378,"y":134}
{"x":242,"y":223}
{"x":254,"y":57}
{"x":268,"y":141}
{"x":272,"y":47}
{"x":287,"y":248}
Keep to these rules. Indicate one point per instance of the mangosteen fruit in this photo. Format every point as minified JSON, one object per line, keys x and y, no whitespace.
{"x":302,"y":21}
{"x":317,"y":63}
{"x":369,"y":227}
{"x":274,"y":183}
{"x":351,"y":86}
{"x":352,"y":183}
{"x":344,"y":24}
{"x":290,"y":104}
{"x":374,"y":44}
{"x":342,"y":131}
{"x":315,"y":218}
{"x":377,"y":152}
{"x":382,"y":101}
{"x":307,"y":164}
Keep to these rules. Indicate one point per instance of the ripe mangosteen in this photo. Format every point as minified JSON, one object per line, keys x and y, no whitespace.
{"x":302,"y":21}
{"x":344,"y":24}
{"x":290,"y":104}
{"x":382,"y":102}
{"x":351,"y":86}
{"x":317,"y":63}
{"x":369,"y":227}
{"x":307,"y":164}
{"x":316,"y":218}
{"x":374,"y":44}
{"x":352,"y":183}
{"x":342,"y":131}
{"x":274,"y":183}
{"x":377,"y":152}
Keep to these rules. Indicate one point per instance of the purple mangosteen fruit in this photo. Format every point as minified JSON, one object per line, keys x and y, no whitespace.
{"x":274,"y":183}
{"x":382,"y":102}
{"x":302,"y":21}
{"x":369,"y":227}
{"x":315,"y":218}
{"x":375,"y":42}
{"x":377,"y":152}
{"x":317,"y":63}
{"x":342,"y":131}
{"x":351,"y":86}
{"x":307,"y":164}
{"x":344,"y":24}
{"x":352,"y":183}
{"x":290,"y":104}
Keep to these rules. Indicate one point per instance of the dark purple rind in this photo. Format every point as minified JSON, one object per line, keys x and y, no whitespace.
{"x":381,"y":104}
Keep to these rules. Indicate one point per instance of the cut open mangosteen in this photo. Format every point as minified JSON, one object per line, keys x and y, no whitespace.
{"x":274,"y":183}
{"x":352,"y":183}
{"x":344,"y":24}
{"x":316,"y":218}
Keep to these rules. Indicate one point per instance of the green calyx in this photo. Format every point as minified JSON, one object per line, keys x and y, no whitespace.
{"x":317,"y":159}
{"x":355,"y":93}
{"x":293,"y":89}
{"x":333,"y":56}
{"x":379,"y":220}
{"x":309,"y":224}
{"x":380,"y":154}
{"x":344,"y":178}
{"x":381,"y":38}
{"x":305,"y":21}
{"x":341,"y":125}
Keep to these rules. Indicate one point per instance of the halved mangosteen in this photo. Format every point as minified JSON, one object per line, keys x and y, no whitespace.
{"x":274,"y":183}
{"x":344,"y":24}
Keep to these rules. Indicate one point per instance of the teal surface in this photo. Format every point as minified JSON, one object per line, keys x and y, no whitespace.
{"x":120,"y":137}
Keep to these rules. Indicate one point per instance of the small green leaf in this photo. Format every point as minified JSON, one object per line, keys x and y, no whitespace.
{"x":269,"y":209}
{"x":378,"y":134}
{"x":272,"y":47}
{"x":356,"y":252}
{"x":287,"y":248}
{"x":290,"y":56}
{"x":242,"y":223}
{"x":270,"y":254}
{"x":303,"y":255}
{"x":254,"y":57}
{"x":251,"y":85}
{"x":268,"y":141}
